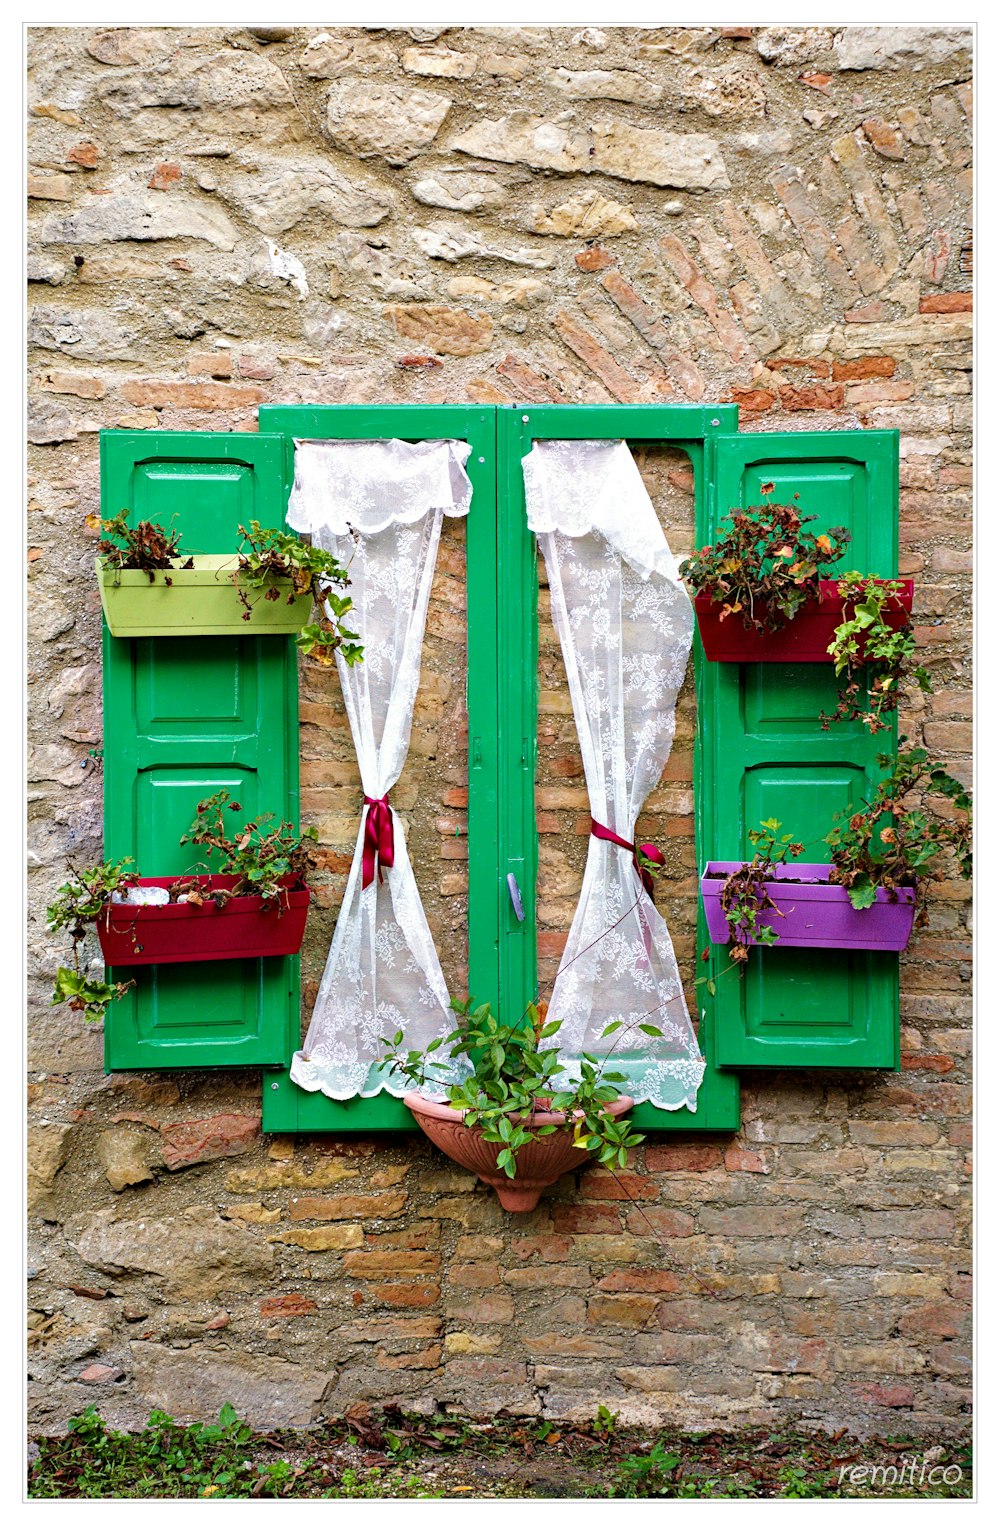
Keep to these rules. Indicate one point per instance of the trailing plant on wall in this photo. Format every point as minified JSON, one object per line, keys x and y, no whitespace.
{"x":76,"y":908}
{"x":917,"y":813}
{"x":745,"y":897}
{"x":867,"y":647}
{"x":267,"y":555}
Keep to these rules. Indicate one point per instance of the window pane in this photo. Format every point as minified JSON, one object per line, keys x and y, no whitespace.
{"x":562,"y":809}
{"x":430,"y":797}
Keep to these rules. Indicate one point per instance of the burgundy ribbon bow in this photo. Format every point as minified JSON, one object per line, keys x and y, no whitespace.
{"x":647,"y":849}
{"x":379,"y":843}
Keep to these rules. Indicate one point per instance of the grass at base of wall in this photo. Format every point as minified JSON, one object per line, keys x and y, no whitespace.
{"x":389,"y":1454}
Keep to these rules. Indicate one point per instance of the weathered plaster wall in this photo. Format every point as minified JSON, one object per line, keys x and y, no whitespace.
{"x":774,"y":216}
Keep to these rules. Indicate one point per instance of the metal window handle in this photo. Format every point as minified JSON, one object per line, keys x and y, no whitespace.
{"x":515,"y":897}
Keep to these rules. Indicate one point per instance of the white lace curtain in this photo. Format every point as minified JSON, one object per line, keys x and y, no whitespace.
{"x":379,"y":507}
{"x":625,"y":625}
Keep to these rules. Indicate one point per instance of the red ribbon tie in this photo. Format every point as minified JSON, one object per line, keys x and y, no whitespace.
{"x":647,"y":849}
{"x":379,"y":847}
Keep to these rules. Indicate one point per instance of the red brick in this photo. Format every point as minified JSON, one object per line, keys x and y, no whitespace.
{"x":739,"y":1159}
{"x":939,"y":1063}
{"x":866,"y":312}
{"x":199,"y":1139}
{"x":408,"y":1295}
{"x":253,"y":369}
{"x":795,"y":399}
{"x":218,"y":366}
{"x":940,"y":1319}
{"x":896,"y":1396}
{"x":757,"y":400}
{"x":594,"y":258}
{"x":529,"y":384}
{"x":287,"y":1306}
{"x":619,"y":1186}
{"x":407,"y":1360}
{"x":455,"y":797}
{"x":632,"y":1311}
{"x":639,"y":1282}
{"x":182,"y":394}
{"x":543,"y":1247}
{"x":864,"y":368}
{"x":164,"y":176}
{"x":594,"y":355}
{"x":586,"y":1218}
{"x":947,"y":302}
{"x":378,"y":1264}
{"x":84,"y":154}
{"x":660,"y":1221}
{"x":686,"y":1157}
{"x":381,"y":1205}
{"x":884,"y":139}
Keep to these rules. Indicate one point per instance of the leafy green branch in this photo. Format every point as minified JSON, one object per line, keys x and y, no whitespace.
{"x":866,"y":646}
{"x":269,"y":557}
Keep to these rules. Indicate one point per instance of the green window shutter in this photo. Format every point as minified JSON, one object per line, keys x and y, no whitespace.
{"x":763,"y":753}
{"x":184,"y":717}
{"x":287,"y":1108}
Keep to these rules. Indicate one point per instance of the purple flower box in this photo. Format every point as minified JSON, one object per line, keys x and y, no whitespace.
{"x":816,"y":913}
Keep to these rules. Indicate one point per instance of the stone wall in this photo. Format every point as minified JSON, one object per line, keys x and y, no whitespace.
{"x":223,"y":217}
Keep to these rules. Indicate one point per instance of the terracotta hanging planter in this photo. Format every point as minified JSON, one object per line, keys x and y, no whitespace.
{"x":539,"y":1163}
{"x":196,"y":601}
{"x":804,"y":639}
{"x":244,"y":927}
{"x":813,"y":913}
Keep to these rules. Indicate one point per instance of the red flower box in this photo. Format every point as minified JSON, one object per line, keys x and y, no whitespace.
{"x":245,"y":927}
{"x":803,"y":639}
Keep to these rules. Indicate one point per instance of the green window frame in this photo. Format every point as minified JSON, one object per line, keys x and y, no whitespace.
{"x":503,"y":710}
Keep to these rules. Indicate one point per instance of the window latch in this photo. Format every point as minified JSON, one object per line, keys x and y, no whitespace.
{"x":515,"y":897}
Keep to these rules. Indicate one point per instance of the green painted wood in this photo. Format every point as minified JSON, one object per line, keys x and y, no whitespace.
{"x":688,"y":427}
{"x":763,"y":753}
{"x":286,"y":1107}
{"x":183,"y":717}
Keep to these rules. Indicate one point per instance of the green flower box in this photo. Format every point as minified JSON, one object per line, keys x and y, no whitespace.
{"x":197,"y":601}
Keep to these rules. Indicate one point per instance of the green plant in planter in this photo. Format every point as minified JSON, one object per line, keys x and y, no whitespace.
{"x":270,"y":565}
{"x":918,"y":811}
{"x":865,"y":643}
{"x":76,"y":908}
{"x":745,"y":897}
{"x":261,"y":856}
{"x":513,"y":1078}
{"x":269,"y":554}
{"x":145,"y":547}
{"x":767,"y":565}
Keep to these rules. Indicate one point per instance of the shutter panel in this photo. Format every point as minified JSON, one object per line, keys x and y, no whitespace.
{"x":764,"y":753}
{"x":184,"y":717}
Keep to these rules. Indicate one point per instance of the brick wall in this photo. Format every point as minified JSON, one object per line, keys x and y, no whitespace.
{"x":774,"y":216}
